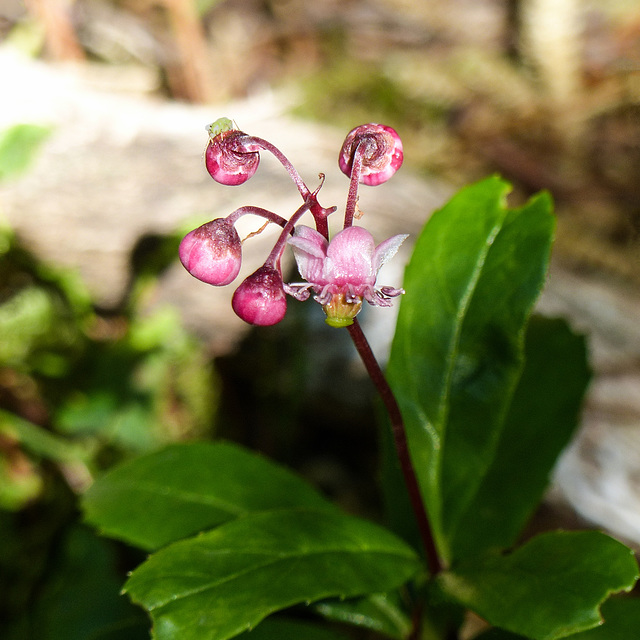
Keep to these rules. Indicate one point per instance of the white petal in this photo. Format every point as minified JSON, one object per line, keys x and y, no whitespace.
{"x":387,"y":249}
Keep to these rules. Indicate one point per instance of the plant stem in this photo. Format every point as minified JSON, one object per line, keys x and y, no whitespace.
{"x":234,"y":216}
{"x":352,"y":197}
{"x":319,"y":213}
{"x":278,"y":249}
{"x":284,"y":161}
{"x":400,"y":440}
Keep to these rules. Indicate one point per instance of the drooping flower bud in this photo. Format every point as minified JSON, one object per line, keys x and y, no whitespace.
{"x":212,"y":253}
{"x":260,"y":299}
{"x":381,"y":149}
{"x":228,"y":160}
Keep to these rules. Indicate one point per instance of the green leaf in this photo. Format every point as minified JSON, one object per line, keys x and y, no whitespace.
{"x":225,"y":581}
{"x":499,"y":634}
{"x":399,"y":514}
{"x":41,"y":442}
{"x":279,"y":629}
{"x":474,"y":276}
{"x":621,"y":622}
{"x":549,"y":588}
{"x":379,"y":612}
{"x":186,"y":488}
{"x":18,"y":146}
{"x":542,"y":417}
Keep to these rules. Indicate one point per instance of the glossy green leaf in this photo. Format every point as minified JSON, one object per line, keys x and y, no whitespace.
{"x":621,"y":622}
{"x":398,"y":511}
{"x":186,"y":488}
{"x":281,"y":629}
{"x":549,"y":588}
{"x":225,"y":581}
{"x":379,"y":612}
{"x":499,"y":634}
{"x":541,"y":419}
{"x":476,"y":271}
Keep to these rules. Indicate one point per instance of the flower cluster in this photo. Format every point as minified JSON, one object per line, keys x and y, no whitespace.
{"x":341,"y":272}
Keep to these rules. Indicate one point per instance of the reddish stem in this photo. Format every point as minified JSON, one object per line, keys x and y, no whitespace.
{"x":401,"y":444}
{"x":284,"y":161}
{"x":274,"y":257}
{"x":319,"y":213}
{"x":256,"y":211}
{"x":352,"y":197}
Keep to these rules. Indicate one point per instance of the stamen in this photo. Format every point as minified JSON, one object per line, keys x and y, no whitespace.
{"x":391,"y":292}
{"x":351,"y":296}
{"x":298,"y":290}
{"x":324,"y":297}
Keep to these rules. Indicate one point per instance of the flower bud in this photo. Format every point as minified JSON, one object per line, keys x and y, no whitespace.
{"x":212,"y":253}
{"x":228,"y":161}
{"x":260,"y":299}
{"x":382,"y":154}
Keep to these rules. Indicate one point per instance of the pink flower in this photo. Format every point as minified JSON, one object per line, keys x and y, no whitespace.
{"x":342,"y":272}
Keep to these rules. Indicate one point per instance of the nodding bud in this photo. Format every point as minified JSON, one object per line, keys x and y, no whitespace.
{"x":260,"y":299}
{"x":212,"y":253}
{"x":381,"y":150}
{"x":228,"y":160}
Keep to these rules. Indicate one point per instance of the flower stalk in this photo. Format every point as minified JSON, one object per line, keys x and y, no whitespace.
{"x":354,"y":180}
{"x":400,"y":441}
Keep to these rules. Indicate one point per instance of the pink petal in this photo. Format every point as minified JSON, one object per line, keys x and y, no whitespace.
{"x":310,"y":241}
{"x":310,"y":251}
{"x":349,"y":258}
{"x":386,"y":250}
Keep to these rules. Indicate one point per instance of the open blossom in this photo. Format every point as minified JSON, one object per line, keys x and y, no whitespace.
{"x":342,"y":272}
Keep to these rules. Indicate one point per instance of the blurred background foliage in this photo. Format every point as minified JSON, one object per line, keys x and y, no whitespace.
{"x":79,"y":390}
{"x":545,"y":92}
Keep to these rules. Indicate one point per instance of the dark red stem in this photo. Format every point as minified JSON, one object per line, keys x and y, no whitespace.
{"x":278,"y":249}
{"x":319,"y":213}
{"x":256,"y":211}
{"x":284,"y":161}
{"x":402,"y":446}
{"x":352,"y":196}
